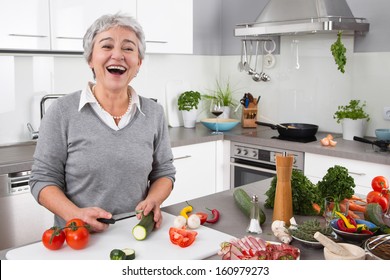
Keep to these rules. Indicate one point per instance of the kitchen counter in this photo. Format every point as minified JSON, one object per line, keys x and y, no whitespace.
{"x":233,"y":222}
{"x":19,"y":157}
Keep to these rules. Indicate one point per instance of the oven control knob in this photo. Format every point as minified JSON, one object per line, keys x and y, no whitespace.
{"x":238,"y":151}
{"x":254,"y":154}
{"x":245,"y":152}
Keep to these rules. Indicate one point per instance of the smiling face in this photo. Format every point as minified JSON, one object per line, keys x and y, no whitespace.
{"x":115,"y":58}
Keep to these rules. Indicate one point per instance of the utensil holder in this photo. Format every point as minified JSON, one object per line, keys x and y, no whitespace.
{"x":249,"y":116}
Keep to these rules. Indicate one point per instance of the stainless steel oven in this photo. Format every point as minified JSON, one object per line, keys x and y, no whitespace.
{"x":252,"y":163}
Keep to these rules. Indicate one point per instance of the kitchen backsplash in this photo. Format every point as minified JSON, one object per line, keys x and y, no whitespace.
{"x":309,"y":94}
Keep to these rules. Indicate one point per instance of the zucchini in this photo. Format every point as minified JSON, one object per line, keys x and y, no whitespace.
{"x":374,"y":214}
{"x":243,"y":201}
{"x":144,"y":227}
{"x":124,"y":254}
{"x":117,"y":254}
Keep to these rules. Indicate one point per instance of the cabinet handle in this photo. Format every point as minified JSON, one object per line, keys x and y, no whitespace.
{"x":253,"y":168}
{"x":27,"y":35}
{"x":157,"y":42}
{"x":183,"y":157}
{"x":357,"y":173}
{"x":68,"y":37}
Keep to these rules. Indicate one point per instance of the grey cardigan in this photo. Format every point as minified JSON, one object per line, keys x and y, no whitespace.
{"x":95,"y":165}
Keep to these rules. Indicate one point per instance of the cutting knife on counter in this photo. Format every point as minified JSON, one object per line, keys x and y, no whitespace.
{"x":118,"y":217}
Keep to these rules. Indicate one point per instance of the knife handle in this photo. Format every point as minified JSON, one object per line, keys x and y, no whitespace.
{"x":106,"y":221}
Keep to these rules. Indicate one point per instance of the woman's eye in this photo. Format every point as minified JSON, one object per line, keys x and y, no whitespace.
{"x":129,"y":49}
{"x":106,"y":47}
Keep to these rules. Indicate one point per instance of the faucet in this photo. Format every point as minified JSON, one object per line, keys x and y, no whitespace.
{"x":34,"y":133}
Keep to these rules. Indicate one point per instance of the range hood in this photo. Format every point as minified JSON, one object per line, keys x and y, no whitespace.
{"x":296,"y":17}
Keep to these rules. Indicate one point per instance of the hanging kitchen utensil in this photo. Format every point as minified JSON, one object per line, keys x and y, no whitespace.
{"x":269,"y":58}
{"x":293,"y":130}
{"x":241,"y":66}
{"x":295,"y":53}
{"x":383,"y":145}
{"x":250,"y":70}
{"x":256,"y":76}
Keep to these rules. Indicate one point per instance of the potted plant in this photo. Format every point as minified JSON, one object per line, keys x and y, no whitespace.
{"x":225,"y":95}
{"x":188,"y":103}
{"x":353,"y":118}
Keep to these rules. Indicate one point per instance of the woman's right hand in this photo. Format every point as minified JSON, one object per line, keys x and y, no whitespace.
{"x":90,"y":215}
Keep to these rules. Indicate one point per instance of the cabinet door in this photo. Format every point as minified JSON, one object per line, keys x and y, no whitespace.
{"x":24,"y":25}
{"x":316,"y":166}
{"x":71,"y":18}
{"x":195,"y":172}
{"x":168,"y":25}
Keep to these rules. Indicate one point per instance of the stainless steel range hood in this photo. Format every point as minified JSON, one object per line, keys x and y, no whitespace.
{"x":290,"y":17}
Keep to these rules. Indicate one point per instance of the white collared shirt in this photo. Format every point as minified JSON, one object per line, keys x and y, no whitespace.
{"x":88,"y":97}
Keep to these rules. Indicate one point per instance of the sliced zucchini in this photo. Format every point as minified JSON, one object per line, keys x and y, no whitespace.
{"x":117,"y":254}
{"x":130,"y":253}
{"x":144,"y":227}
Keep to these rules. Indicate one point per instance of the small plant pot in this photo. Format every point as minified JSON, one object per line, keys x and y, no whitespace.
{"x":189,"y":118}
{"x":353,"y":128}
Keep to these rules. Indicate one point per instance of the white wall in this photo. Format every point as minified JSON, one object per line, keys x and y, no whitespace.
{"x":30,"y":77}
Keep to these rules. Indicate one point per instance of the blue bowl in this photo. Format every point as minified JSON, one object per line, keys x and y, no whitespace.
{"x":354,"y":237}
{"x":382,"y":134}
{"x":223,"y":124}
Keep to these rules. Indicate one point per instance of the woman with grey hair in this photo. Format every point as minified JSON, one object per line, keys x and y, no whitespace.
{"x":105,"y":150}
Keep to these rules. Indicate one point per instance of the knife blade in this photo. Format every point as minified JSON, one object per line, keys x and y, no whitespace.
{"x":117,"y":217}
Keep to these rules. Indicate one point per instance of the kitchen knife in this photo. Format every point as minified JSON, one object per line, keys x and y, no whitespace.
{"x":117,"y":217}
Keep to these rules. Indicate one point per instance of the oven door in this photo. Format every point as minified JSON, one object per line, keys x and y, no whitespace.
{"x":244,"y":172}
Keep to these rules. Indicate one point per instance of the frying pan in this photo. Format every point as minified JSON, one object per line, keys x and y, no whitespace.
{"x":293,"y":130}
{"x":382,"y":144}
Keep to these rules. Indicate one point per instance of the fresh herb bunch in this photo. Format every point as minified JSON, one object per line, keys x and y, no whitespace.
{"x":354,"y":110}
{"x":304,"y":194}
{"x":338,"y":184}
{"x":307,"y":229}
{"x":338,"y":51}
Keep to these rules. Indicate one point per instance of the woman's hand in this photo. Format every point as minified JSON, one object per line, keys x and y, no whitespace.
{"x":91,"y":214}
{"x":148,"y":205}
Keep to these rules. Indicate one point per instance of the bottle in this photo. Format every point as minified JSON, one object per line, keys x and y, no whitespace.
{"x":254,"y":223}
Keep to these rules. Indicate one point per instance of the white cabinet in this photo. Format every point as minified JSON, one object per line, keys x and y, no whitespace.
{"x":71,"y":18}
{"x":24,"y":25}
{"x":316,"y":166}
{"x":195,"y":172}
{"x":168,"y":25}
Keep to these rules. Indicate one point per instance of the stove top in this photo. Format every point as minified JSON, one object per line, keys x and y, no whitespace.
{"x":300,"y":140}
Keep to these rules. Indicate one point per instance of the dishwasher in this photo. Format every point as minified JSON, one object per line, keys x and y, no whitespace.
{"x":22,"y":219}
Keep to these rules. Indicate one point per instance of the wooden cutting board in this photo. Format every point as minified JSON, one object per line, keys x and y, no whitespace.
{"x":156,"y":247}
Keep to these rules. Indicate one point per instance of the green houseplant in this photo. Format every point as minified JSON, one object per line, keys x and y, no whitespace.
{"x":188,"y":103}
{"x":225,"y":95}
{"x":353,"y":118}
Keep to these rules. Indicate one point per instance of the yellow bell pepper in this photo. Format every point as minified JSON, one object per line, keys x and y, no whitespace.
{"x":186,"y":210}
{"x":345,"y":220}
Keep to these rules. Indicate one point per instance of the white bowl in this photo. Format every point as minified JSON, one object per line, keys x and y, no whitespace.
{"x":357,"y":253}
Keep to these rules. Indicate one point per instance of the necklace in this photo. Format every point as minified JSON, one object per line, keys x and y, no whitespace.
{"x":114,"y":117}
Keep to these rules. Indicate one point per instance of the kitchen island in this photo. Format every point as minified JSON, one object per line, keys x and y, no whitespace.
{"x":232,"y":221}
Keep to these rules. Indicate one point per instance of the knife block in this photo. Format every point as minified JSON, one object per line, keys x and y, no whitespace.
{"x":249,"y":116}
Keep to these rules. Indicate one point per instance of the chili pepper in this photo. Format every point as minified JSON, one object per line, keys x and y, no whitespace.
{"x":215,"y":217}
{"x":366,"y":231}
{"x":341,"y":225}
{"x":347,"y":222}
{"x":186,"y":210}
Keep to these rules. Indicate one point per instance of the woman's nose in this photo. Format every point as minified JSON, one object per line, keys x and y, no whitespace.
{"x":117,"y":54}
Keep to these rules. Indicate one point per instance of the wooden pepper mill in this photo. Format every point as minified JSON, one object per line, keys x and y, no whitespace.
{"x":283,"y":208}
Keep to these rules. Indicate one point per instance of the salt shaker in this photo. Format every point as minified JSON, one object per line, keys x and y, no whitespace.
{"x":254,"y":224}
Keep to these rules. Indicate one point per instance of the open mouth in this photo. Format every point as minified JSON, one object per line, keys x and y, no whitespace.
{"x":116,"y":69}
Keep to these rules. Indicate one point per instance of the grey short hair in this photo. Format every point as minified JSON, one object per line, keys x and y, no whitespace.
{"x":108,"y":21}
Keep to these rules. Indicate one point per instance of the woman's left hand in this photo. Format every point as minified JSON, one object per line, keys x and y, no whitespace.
{"x":148,"y":205}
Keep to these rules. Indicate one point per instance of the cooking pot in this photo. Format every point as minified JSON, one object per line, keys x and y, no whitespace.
{"x":293,"y":130}
{"x":378,"y":247}
{"x":383,"y":145}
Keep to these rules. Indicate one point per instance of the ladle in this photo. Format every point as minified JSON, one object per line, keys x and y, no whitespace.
{"x":241,"y":65}
{"x":250,"y":70}
{"x":256,"y":76}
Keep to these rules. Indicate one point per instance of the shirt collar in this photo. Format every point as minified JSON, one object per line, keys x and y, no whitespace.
{"x":88,"y":97}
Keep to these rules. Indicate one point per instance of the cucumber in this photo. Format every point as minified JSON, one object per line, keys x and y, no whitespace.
{"x":130,"y":253}
{"x":374,"y":214}
{"x":243,"y":201}
{"x":124,"y":254}
{"x":144,"y":227}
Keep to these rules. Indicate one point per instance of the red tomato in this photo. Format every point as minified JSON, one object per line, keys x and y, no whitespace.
{"x":380,"y":198}
{"x":77,"y":234}
{"x":182,"y":237}
{"x":380,"y":184}
{"x":53,"y":238}
{"x":202,"y":216}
